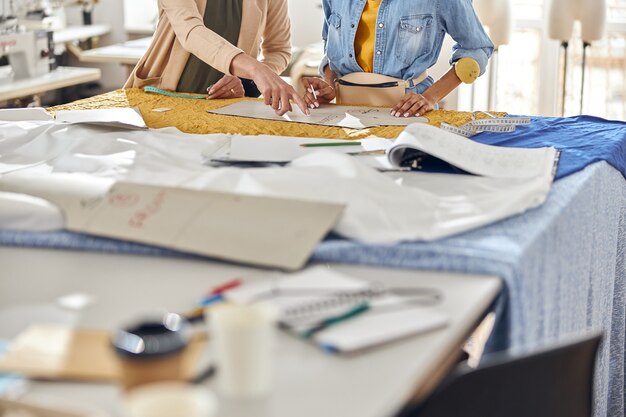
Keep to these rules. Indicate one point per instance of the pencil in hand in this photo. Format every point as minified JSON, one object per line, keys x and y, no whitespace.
{"x":311,"y":89}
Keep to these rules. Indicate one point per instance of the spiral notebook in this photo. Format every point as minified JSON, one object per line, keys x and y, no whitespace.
{"x":307,"y":298}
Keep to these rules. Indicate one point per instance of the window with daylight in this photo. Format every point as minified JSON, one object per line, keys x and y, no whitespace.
{"x":527,"y":74}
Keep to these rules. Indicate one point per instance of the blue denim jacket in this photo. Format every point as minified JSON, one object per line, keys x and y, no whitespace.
{"x":409,"y":35}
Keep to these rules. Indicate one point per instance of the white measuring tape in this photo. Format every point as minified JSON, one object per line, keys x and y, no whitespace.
{"x":493,"y":124}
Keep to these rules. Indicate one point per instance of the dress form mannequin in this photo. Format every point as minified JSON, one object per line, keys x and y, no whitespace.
{"x":497,"y":16}
{"x":592,"y":17}
{"x":590,"y":13}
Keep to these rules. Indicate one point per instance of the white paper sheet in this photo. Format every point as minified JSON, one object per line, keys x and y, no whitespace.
{"x":25,"y":114}
{"x":223,"y":225}
{"x":352,"y":117}
{"x":127,"y":118}
{"x":379,"y":208}
{"x":281,"y":149}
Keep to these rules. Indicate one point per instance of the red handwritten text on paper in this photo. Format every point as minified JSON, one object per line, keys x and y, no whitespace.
{"x":122,"y":200}
{"x":153,"y":207}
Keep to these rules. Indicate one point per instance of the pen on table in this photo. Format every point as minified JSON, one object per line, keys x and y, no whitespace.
{"x":323,"y":144}
{"x":217,"y":294}
{"x":229,"y":285}
{"x":330,"y":321}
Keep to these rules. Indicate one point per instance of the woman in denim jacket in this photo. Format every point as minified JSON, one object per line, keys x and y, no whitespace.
{"x":401,"y":39}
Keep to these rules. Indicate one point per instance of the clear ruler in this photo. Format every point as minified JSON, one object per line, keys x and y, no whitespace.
{"x":492,"y":124}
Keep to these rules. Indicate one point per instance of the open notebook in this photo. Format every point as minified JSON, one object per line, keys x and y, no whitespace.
{"x":307,"y":298}
{"x":420,"y":145}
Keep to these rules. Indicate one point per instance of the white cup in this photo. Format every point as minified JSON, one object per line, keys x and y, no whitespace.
{"x":244,"y":339}
{"x":171,"y":399}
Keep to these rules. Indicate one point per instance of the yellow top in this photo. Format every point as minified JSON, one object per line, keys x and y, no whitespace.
{"x":365,"y":39}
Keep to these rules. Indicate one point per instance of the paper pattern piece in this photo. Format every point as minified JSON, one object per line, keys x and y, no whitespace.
{"x":264,"y":231}
{"x":25,"y":114}
{"x":473,"y":157}
{"x":127,"y":118}
{"x":353,"y":117}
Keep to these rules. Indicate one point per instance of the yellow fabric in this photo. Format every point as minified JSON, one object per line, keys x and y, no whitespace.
{"x":365,"y":39}
{"x":467,"y":69}
{"x":190,"y":116}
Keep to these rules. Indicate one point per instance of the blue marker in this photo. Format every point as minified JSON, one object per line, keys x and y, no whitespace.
{"x":211,"y":299}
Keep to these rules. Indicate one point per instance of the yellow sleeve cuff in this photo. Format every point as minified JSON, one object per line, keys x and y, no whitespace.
{"x":467,"y":69}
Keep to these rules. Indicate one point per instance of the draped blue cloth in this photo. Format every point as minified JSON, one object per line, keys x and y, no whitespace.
{"x":582,"y":140}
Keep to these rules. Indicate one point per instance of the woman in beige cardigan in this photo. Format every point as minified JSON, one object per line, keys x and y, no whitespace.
{"x":194,"y":49}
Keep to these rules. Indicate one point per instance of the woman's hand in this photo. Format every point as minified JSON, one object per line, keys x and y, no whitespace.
{"x":413,"y":104}
{"x":325,"y":93}
{"x":276,"y":92}
{"x":228,"y":86}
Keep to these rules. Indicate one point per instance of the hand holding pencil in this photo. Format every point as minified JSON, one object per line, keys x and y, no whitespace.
{"x":318,"y":92}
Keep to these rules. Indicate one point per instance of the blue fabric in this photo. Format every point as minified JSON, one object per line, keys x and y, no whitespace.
{"x":563,"y":265}
{"x":410,"y":38}
{"x":582,"y":141}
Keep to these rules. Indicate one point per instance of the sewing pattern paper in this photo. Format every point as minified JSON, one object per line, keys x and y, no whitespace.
{"x":353,"y":117}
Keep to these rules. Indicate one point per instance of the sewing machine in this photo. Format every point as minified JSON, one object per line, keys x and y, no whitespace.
{"x":28,"y":53}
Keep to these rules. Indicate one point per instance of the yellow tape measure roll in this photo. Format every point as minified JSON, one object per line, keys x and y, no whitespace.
{"x":467,"y":69}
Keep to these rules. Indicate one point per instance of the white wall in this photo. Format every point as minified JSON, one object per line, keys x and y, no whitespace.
{"x":140,"y":15}
{"x":106,"y":12}
{"x":306,"y":21}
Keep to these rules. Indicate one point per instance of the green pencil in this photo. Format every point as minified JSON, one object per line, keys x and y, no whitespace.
{"x":322,"y":144}
{"x":330,"y":321}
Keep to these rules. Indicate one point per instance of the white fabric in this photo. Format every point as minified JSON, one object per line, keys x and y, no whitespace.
{"x":380,"y":209}
{"x":24,"y":212}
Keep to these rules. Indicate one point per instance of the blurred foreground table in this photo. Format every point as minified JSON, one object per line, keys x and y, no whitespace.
{"x":309,"y":382}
